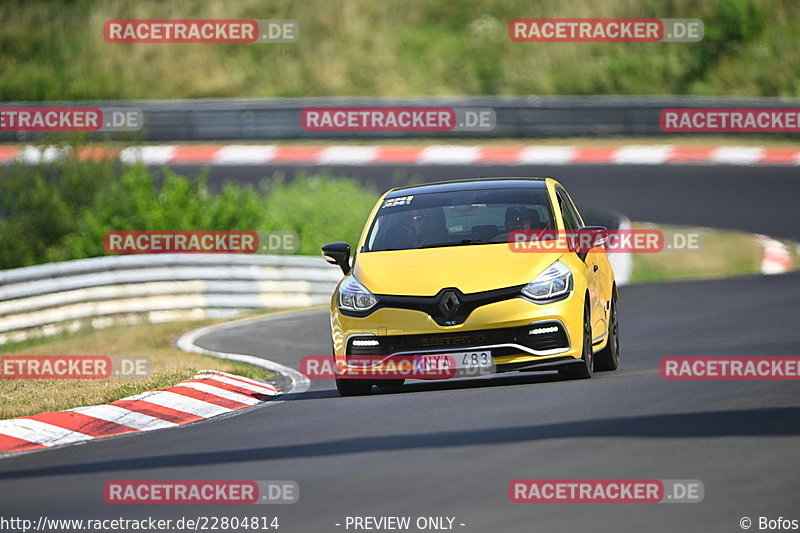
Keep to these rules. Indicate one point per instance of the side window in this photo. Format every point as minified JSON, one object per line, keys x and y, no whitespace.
{"x":570,"y":220}
{"x":377,"y":230}
{"x":573,"y":210}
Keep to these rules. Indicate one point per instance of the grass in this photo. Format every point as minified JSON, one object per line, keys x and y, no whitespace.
{"x":56,"y":51}
{"x":723,"y":254}
{"x":24,"y":397}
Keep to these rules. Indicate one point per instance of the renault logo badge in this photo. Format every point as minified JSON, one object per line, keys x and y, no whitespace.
{"x":449,"y":304}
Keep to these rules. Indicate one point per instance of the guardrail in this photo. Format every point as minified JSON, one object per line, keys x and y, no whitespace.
{"x":523,"y":116}
{"x":47,"y":299}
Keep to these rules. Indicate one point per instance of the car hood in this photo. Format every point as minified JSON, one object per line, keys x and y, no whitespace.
{"x":472,"y":268}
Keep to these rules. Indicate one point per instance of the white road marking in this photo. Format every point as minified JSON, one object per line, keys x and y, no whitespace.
{"x":222,"y":393}
{"x":546,"y":155}
{"x":347,"y":155}
{"x":181,"y":403}
{"x":642,"y":155}
{"x":40,"y":432}
{"x":448,"y":155}
{"x":126,"y":417}
{"x":243,"y":154}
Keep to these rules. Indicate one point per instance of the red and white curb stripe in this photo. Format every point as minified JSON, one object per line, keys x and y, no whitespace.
{"x":777,"y":258}
{"x":232,"y":155}
{"x":207,"y":394}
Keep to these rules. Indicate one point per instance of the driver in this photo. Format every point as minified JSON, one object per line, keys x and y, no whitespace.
{"x":429,"y":226}
{"x":518,"y":218}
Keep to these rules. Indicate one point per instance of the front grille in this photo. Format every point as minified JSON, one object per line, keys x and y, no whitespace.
{"x":442,"y":307}
{"x":441,"y":341}
{"x":391,"y":344}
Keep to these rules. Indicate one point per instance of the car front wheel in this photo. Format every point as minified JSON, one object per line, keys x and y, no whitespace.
{"x":582,"y":369}
{"x":608,"y":357}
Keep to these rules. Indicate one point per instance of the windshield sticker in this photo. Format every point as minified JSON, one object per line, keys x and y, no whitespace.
{"x":394,"y":202}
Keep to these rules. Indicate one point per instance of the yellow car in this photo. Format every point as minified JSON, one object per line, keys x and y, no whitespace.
{"x":445,"y":274}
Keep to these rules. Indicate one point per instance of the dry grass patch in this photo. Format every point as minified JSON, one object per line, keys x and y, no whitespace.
{"x":22,"y":397}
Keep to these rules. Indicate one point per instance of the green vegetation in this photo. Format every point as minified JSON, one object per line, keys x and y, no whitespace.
{"x":723,"y":253}
{"x":56,"y":51}
{"x":62,"y":210}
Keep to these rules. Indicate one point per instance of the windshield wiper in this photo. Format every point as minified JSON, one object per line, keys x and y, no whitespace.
{"x":457,"y":243}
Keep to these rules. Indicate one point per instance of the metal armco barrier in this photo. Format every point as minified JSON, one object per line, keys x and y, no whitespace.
{"x":523,"y":116}
{"x":48,"y":299}
{"x":97,"y":292}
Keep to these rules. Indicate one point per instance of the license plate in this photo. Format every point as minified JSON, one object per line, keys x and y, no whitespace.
{"x":444,"y":362}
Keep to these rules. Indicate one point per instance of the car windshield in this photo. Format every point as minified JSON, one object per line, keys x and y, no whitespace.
{"x":460,"y":218}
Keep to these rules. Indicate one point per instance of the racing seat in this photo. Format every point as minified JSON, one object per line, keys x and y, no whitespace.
{"x":536,"y":220}
{"x":532,"y":214}
{"x":485,"y":232}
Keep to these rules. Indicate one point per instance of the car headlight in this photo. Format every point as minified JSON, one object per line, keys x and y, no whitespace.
{"x":552,"y":283}
{"x":353,"y":296}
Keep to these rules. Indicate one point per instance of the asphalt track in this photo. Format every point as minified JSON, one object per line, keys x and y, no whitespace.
{"x":761,"y":199}
{"x":451,"y":449}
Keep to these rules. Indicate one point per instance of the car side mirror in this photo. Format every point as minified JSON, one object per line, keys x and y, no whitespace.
{"x":598,"y":235}
{"x":588,"y":237}
{"x":338,"y":253}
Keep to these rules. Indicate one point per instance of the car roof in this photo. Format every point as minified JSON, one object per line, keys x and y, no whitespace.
{"x":472,"y":184}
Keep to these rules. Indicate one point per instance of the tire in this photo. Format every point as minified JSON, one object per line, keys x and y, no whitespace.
{"x":608,"y":358}
{"x":353,"y":387}
{"x":389,"y":383}
{"x":582,"y":369}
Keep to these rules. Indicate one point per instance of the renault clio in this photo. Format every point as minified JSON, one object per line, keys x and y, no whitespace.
{"x":435,"y":272}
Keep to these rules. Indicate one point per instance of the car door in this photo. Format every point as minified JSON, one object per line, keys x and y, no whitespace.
{"x":573,"y":222}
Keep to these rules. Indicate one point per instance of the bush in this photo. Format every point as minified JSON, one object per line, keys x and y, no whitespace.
{"x":61,"y":211}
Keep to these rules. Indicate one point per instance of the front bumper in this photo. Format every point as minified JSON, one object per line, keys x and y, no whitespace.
{"x":521,"y":334}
